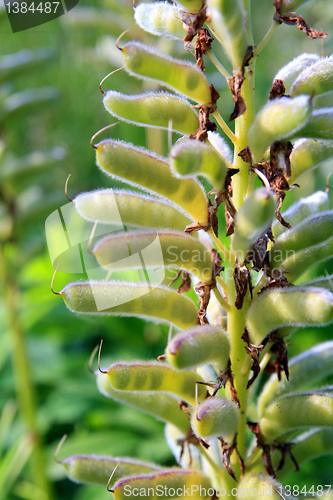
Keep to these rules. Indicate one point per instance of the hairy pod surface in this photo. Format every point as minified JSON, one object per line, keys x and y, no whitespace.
{"x":257,"y":486}
{"x":215,"y":417}
{"x":290,"y":71}
{"x":145,"y":169}
{"x":277,"y":120}
{"x":159,"y":18}
{"x":153,"y":109}
{"x":183,"y":77}
{"x":289,"y":306}
{"x":318,"y":126}
{"x":323,"y":282}
{"x":198,"y":346}
{"x":306,"y":155}
{"x":154,"y":376}
{"x":221,"y":146}
{"x":317,"y":79}
{"x":130,"y":299}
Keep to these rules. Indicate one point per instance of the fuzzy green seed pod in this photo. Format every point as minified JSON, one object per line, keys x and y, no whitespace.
{"x":290,"y":71}
{"x":251,"y":220}
{"x":312,"y":365}
{"x":297,"y":411}
{"x":215,"y":417}
{"x":306,"y":155}
{"x":317,"y":79}
{"x":153,"y":376}
{"x":190,"y":157}
{"x":183,"y":77}
{"x":289,"y":306}
{"x":227,"y":22}
{"x":324,"y":282}
{"x":153,"y":109}
{"x":119,"y":208}
{"x":159,"y":18}
{"x":257,"y":486}
{"x":198,"y":346}
{"x":142,"y":168}
{"x":277,"y":120}
{"x":318,"y":126}
{"x":291,"y":5}
{"x":130,"y":299}
{"x":94,"y":469}
{"x":221,"y":146}
{"x":176,"y":250}
{"x":305,"y":207}
{"x":168,"y":485}
{"x":160,"y":405}
{"x":191,"y":5}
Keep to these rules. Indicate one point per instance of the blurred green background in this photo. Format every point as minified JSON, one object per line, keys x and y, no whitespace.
{"x":44,"y":136}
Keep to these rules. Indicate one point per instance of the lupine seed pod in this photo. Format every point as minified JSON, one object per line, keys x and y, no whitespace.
{"x":288,"y":306}
{"x":312,"y":365}
{"x":191,"y":5}
{"x":143,"y":168}
{"x":197,"y":346}
{"x":157,"y":249}
{"x":324,"y":282}
{"x":159,"y":18}
{"x":277,"y":120}
{"x":290,"y":71}
{"x":227,"y":22}
{"x":130,"y":299}
{"x":318,"y":126}
{"x":251,"y":220}
{"x":190,"y":157}
{"x":183,"y":77}
{"x":174,"y":483}
{"x":221,"y":146}
{"x":153,"y":376}
{"x":153,"y":109}
{"x":215,"y":417}
{"x":297,"y":411}
{"x":162,"y":406}
{"x":94,"y":469}
{"x":257,"y":486}
{"x":291,"y":5}
{"x":317,"y":79}
{"x":306,"y":155}
{"x":305,"y":207}
{"x":108,"y":206}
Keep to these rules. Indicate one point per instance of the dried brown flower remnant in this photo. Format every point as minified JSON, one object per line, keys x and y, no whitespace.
{"x":227,"y":451}
{"x":266,"y":449}
{"x":193,"y":23}
{"x":185,"y":285}
{"x":295,"y":20}
{"x":278,"y":90}
{"x":203,"y":43}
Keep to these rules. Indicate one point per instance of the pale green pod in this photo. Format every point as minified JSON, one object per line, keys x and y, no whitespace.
{"x":130,"y":299}
{"x":174,"y":483}
{"x":318,"y":126}
{"x":306,"y":155}
{"x":157,"y":249}
{"x":317,"y":79}
{"x":323,"y":282}
{"x":251,"y":221}
{"x":183,"y":77}
{"x":153,"y":376}
{"x":159,"y":18}
{"x":291,"y":5}
{"x":198,"y":346}
{"x":306,"y":368}
{"x":191,"y":5}
{"x":95,"y":469}
{"x":153,"y":109}
{"x":290,"y":71}
{"x":142,"y":168}
{"x":277,"y":120}
{"x":227,"y":22}
{"x":162,"y":406}
{"x":295,"y":412}
{"x":289,"y":306}
{"x":119,"y":208}
{"x":257,"y":486}
{"x":215,"y":417}
{"x":190,"y":157}
{"x":221,"y":146}
{"x":305,"y":207}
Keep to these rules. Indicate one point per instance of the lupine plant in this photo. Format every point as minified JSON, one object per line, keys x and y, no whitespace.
{"x":242,"y":289}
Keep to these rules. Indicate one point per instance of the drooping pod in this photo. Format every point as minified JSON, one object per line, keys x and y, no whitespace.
{"x":159,"y":18}
{"x":191,"y":5}
{"x":142,"y":168}
{"x":197,"y":346}
{"x":215,"y":417}
{"x":130,"y":299}
{"x":155,"y":249}
{"x":190,"y":157}
{"x":306,"y":155}
{"x":323,"y":282}
{"x":288,"y":306}
{"x":291,"y":5}
{"x":290,"y":71}
{"x":277,"y":120}
{"x":153,"y":376}
{"x":312,"y":365}
{"x":297,"y":411}
{"x":183,"y":77}
{"x":95,"y":469}
{"x":153,"y":109}
{"x":251,"y":220}
{"x":160,"y":405}
{"x":318,"y":126}
{"x":317,"y":79}
{"x":258,"y":486}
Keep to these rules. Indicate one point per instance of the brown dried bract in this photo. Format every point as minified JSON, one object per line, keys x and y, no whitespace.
{"x":190,"y":438}
{"x":266,"y":449}
{"x":223,"y":378}
{"x":227,"y":451}
{"x":242,"y":278}
{"x":205,"y":124}
{"x":246,"y":155}
{"x":285,"y":449}
{"x":217,"y":261}
{"x":259,"y":251}
{"x":185,"y":285}
{"x":193,"y":23}
{"x":235,"y":85}
{"x":254,"y":352}
{"x":280,"y":363}
{"x":294,"y":19}
{"x":278,"y":90}
{"x":203,"y":290}
{"x":203,"y":43}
